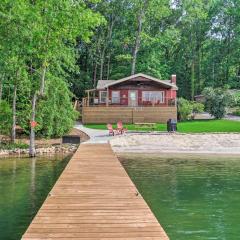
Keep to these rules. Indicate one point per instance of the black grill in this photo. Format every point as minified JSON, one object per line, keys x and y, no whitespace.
{"x":172,"y":125}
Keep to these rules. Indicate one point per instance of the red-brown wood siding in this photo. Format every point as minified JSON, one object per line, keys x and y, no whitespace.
{"x":168,"y":94}
{"x":141,"y":84}
{"x":171,"y":94}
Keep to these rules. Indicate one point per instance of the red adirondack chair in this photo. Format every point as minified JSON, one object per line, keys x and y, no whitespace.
{"x":120,"y":127}
{"x":110,"y":129}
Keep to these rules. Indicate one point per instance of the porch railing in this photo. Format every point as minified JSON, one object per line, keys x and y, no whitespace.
{"x":125,"y":102}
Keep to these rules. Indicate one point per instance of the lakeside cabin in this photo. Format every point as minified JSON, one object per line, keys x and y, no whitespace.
{"x":135,"y":99}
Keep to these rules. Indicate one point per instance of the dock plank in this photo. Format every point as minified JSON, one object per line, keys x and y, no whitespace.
{"x":94,"y":198}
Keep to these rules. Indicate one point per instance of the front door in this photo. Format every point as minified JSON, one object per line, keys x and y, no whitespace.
{"x":132,"y":98}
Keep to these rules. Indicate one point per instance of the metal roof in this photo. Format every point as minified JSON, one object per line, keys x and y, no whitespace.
{"x":102,"y":84}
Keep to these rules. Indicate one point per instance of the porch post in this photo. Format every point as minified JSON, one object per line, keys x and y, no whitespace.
{"x":107,"y":99}
{"x":88,"y":98}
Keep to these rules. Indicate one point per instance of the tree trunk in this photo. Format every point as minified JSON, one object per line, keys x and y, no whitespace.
{"x":192,"y":79}
{"x":137,"y":42}
{"x":199,"y":68}
{"x":1,"y":90}
{"x":103,"y":53}
{"x":213,"y":72}
{"x":32,"y":149}
{"x":13,"y":136}
{"x":102,"y":57}
{"x":95,"y":75}
{"x":108,"y":66}
{"x":42,"y":87}
{"x":228,"y":51}
{"x":138,"y":37}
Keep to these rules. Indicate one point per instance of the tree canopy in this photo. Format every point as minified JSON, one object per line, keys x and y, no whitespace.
{"x":38,"y":50}
{"x":54,"y":50}
{"x":196,"y":39}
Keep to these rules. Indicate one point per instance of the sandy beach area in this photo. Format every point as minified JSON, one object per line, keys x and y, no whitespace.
{"x":177,"y":143}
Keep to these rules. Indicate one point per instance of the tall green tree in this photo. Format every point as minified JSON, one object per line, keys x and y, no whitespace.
{"x":38,"y":41}
{"x":72,"y":44}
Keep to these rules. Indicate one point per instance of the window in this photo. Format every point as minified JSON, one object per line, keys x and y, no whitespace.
{"x":153,"y":96}
{"x":103,"y":96}
{"x":116,"y":97}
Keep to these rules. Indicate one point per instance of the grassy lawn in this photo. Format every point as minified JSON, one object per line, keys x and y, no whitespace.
{"x":196,"y":126}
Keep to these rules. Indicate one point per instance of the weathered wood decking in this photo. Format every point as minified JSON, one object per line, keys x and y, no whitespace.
{"x":94,"y":199}
{"x":112,"y":114}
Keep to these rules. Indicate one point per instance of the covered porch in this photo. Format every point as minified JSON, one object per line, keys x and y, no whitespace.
{"x":128,"y":98}
{"x":137,"y":90}
{"x":134,"y":99}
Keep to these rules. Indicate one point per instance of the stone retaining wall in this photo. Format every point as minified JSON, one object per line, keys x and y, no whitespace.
{"x":66,"y":148}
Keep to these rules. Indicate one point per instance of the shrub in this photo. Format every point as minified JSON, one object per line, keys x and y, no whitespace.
{"x":55,"y":114}
{"x":12,"y":146}
{"x":217,"y":101}
{"x":5,"y":117}
{"x":197,"y":108}
{"x":237,"y":112}
{"x":237,"y":97}
{"x":188,"y":109}
{"x":185,"y":109}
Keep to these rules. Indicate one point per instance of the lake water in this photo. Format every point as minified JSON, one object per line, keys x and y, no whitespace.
{"x":24,"y":185}
{"x":193,"y":197}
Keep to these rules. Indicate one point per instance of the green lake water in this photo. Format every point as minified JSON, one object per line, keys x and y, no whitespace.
{"x":24,"y":185}
{"x":193,"y":197}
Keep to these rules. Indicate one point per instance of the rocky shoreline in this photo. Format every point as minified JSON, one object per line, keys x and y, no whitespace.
{"x":47,"y":146}
{"x":61,"y":148}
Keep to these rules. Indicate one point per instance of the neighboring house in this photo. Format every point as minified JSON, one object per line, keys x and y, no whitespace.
{"x":137,"y":98}
{"x":199,"y":98}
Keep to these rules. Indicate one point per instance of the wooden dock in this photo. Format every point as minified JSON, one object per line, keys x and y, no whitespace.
{"x":94,"y":199}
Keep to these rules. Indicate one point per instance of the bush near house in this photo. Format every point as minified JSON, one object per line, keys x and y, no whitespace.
{"x":237,"y":99}
{"x":237,"y":105}
{"x":237,"y":112}
{"x":188,"y":109}
{"x":197,"y":108}
{"x":185,"y":109}
{"x":217,"y":101}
